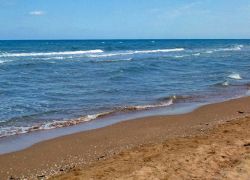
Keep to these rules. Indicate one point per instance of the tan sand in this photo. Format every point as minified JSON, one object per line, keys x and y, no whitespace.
{"x":223,"y":153}
{"x":162,"y":147}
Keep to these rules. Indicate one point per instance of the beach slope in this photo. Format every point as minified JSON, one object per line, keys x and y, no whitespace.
{"x":211,"y":141}
{"x":222,"y":153}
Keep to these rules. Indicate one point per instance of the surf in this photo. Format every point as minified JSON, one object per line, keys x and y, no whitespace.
{"x":51,"y":53}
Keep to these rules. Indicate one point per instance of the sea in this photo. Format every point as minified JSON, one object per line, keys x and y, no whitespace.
{"x":49,"y":84}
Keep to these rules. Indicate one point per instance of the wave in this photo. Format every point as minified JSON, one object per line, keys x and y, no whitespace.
{"x":5,"y":61}
{"x":54,"y":58}
{"x":222,"y":84}
{"x":9,"y":131}
{"x":209,"y":51}
{"x":180,"y":56}
{"x":197,"y":54}
{"x":235,"y":76}
{"x":96,"y":51}
{"x":181,"y":98}
{"x":225,"y":83}
{"x":114,"y":60}
{"x":137,"y":52}
{"x":159,"y":50}
{"x":145,"y":107}
{"x":234,"y":48}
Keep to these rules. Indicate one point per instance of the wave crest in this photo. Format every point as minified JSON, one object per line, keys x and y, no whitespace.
{"x":96,"y":51}
{"x":137,"y":52}
{"x":233,"y":48}
{"x":235,"y":76}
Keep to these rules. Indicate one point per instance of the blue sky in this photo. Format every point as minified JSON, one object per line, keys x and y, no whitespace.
{"x":123,"y":19}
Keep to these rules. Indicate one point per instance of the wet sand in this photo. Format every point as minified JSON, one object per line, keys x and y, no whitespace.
{"x":210,"y":142}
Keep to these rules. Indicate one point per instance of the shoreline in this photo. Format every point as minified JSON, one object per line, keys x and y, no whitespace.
{"x":58,"y":155}
{"x":14,"y":143}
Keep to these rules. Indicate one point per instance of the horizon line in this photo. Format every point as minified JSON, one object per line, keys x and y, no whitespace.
{"x":106,"y":39}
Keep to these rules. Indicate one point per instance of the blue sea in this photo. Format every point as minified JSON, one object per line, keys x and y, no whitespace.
{"x":53,"y":84}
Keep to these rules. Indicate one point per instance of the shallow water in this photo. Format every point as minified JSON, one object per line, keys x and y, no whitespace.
{"x":49,"y":84}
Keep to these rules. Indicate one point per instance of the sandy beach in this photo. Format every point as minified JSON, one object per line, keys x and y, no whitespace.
{"x":137,"y":90}
{"x":211,"y":142}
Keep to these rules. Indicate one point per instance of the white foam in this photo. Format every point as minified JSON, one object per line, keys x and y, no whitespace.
{"x":137,"y":52}
{"x":181,"y":56}
{"x":234,"y":48}
{"x":235,"y":76}
{"x":159,"y":50}
{"x":209,"y":52}
{"x":51,"y":53}
{"x":5,"y":61}
{"x":226,"y":83}
{"x":168,"y":103}
{"x":197,"y":54}
{"x":9,"y":131}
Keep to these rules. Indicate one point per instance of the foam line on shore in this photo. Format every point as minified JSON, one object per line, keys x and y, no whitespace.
{"x":10,"y":131}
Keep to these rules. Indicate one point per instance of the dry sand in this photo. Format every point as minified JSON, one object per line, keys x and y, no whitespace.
{"x":210,"y":143}
{"x":223,"y":153}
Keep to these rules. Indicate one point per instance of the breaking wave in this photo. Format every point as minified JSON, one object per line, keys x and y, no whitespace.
{"x":96,"y":51}
{"x":225,"y":83}
{"x":2,"y":61}
{"x":233,"y":48}
{"x":9,"y":131}
{"x":222,"y":84}
{"x":235,"y":76}
{"x":137,"y":52}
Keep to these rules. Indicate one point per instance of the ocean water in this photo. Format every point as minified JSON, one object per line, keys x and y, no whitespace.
{"x":52,"y":84}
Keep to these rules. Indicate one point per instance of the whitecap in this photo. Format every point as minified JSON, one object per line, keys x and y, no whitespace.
{"x":225,"y":83}
{"x":197,"y":54}
{"x":180,"y":56}
{"x":137,"y":52}
{"x":235,"y":76}
{"x":209,"y":52}
{"x":5,"y":61}
{"x":159,"y":51}
{"x":234,"y":48}
{"x":51,"y":53}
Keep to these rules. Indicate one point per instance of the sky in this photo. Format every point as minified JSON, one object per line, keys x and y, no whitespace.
{"x":124,"y":19}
